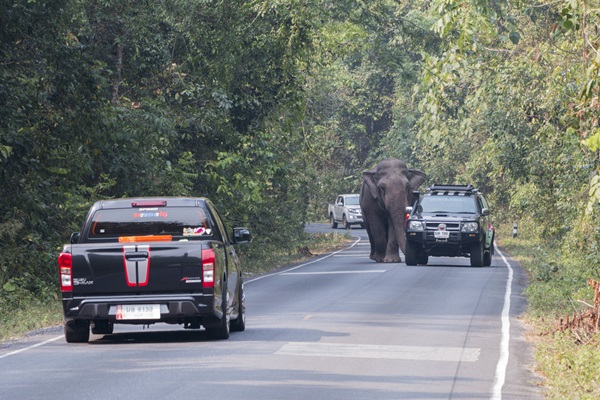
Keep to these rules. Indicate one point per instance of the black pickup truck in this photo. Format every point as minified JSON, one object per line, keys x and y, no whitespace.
{"x":450,"y":221}
{"x":149,"y":260}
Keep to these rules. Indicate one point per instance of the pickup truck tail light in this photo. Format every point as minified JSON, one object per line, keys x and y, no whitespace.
{"x":65,"y":267}
{"x":208,"y":268}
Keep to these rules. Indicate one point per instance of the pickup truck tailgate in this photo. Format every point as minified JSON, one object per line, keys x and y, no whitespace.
{"x":119,"y":268}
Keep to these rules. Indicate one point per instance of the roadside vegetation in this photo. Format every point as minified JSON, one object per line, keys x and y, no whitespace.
{"x":567,"y":358}
{"x":271,"y":108}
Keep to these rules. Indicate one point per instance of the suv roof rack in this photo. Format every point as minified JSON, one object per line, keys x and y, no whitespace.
{"x":456,"y":189}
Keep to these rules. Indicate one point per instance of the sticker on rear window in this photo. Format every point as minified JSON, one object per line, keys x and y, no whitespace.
{"x":196,"y":231}
{"x":153,"y":214}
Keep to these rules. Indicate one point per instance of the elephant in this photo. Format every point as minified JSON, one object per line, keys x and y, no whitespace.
{"x":385,"y":193}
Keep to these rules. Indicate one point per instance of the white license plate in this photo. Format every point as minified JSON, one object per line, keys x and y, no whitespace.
{"x":441,"y":234}
{"x":138,"y":311}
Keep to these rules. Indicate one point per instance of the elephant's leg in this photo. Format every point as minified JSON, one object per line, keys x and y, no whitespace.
{"x":376,"y":226}
{"x":392,"y":252}
{"x":371,"y":241}
{"x":380,"y":239}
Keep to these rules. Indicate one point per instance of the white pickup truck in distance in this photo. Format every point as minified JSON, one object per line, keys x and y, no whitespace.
{"x":346,"y":210}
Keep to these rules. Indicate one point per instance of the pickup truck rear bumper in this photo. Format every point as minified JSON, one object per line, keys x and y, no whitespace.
{"x":173,"y":308}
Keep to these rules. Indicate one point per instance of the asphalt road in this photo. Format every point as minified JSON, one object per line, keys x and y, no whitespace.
{"x":338,"y":326}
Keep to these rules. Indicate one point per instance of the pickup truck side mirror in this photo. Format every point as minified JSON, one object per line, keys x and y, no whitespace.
{"x":485,"y":211}
{"x":74,"y":237}
{"x":241,"y":235}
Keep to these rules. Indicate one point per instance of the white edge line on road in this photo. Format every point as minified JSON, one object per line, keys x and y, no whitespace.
{"x":30,"y":347}
{"x":305,"y":264}
{"x":251,"y":280}
{"x":502,"y":365}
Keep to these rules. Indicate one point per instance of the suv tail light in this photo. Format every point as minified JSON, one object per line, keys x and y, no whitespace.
{"x":208,"y":268}
{"x":65,"y":267}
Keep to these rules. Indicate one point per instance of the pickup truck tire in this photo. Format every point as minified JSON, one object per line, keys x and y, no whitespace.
{"x":239,"y":324}
{"x":477,"y":255}
{"x":102,"y":327}
{"x":77,"y":331}
{"x":333,"y":223}
{"x":345,"y":222}
{"x":221,"y":331}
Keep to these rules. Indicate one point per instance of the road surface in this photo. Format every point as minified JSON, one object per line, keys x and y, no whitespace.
{"x":338,"y":326}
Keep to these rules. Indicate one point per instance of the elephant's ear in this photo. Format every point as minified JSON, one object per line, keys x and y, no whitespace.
{"x":369,"y":181}
{"x":416,"y":178}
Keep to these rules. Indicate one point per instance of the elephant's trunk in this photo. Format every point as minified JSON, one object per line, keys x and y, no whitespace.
{"x":398,"y":219}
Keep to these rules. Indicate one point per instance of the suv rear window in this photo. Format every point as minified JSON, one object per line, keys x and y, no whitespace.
{"x":180,"y":222}
{"x":448,"y":204}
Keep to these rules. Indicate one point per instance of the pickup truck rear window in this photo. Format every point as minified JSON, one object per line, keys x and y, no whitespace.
{"x":180,"y":222}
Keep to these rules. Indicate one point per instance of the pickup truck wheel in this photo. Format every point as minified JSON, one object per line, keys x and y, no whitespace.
{"x":411,"y":254}
{"x":239,"y":324}
{"x":332,"y":221}
{"x":422,"y":259}
{"x":77,"y":331}
{"x":477,"y":255}
{"x":102,"y":327}
{"x":345,"y":222}
{"x":221,"y":331}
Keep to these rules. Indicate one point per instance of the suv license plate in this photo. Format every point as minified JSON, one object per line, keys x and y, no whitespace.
{"x":138,"y":311}
{"x":443,"y":235}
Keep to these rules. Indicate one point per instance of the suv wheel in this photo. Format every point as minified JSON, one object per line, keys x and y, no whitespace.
{"x":487,"y":259}
{"x":477,"y":255}
{"x":411,"y":254}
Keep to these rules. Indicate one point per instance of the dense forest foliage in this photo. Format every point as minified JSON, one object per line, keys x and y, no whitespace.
{"x":272,"y":107}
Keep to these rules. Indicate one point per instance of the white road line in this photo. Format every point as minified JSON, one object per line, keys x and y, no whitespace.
{"x":31,"y":347}
{"x":371,"y":271}
{"x":500,"y":376}
{"x":419,"y":353}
